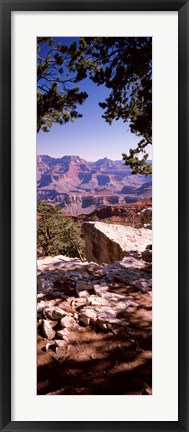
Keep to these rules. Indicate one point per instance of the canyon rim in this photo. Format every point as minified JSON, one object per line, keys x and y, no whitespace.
{"x":94,"y":216}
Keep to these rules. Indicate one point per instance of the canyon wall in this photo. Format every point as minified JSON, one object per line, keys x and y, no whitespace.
{"x":80,"y":186}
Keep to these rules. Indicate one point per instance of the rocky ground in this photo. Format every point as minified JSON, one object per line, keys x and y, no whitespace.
{"x":94,"y":326}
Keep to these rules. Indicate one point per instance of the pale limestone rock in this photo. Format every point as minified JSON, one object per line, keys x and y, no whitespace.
{"x":99,"y":289}
{"x":60,"y":264}
{"x":97,"y":300}
{"x":40,"y":295}
{"x":67,"y":321}
{"x":48,"y":331}
{"x":40,"y":306}
{"x":84,"y":319}
{"x":106,"y":321}
{"x":53,"y":312}
{"x":108,"y":310}
{"x":80,"y":301}
{"x":87,"y":315}
{"x":129,"y":263}
{"x":105,"y":308}
{"x":111,"y":296}
{"x":63,"y":334}
{"x":83,"y":293}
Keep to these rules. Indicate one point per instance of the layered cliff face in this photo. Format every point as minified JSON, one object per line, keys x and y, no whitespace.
{"x":134,"y":214}
{"x":75,"y":204}
{"x":79,"y":186}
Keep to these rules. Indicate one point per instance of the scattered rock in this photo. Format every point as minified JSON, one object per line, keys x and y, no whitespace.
{"x":99,"y":289}
{"x":48,"y":331}
{"x":78,"y":302}
{"x":97,"y":301}
{"x":63,"y":334}
{"x":40,"y":306}
{"x":67,"y":321}
{"x":92,"y":314}
{"x":53,"y":312}
{"x":87,"y":315}
{"x":74,"y":295}
{"x":105,"y":318}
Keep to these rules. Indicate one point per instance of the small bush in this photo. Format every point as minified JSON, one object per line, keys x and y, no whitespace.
{"x":57,"y":234}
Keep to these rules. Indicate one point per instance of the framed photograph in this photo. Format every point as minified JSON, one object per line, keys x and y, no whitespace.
{"x":93,"y":300}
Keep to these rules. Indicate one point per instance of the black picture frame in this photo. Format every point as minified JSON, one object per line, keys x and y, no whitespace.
{"x":182,"y":6}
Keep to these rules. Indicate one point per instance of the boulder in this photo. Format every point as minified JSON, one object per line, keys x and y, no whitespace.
{"x":107,"y":243}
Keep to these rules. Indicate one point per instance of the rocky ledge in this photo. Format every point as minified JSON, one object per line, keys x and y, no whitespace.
{"x":109,"y":243}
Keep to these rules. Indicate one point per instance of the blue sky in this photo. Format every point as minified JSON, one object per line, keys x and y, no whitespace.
{"x":89,"y":137}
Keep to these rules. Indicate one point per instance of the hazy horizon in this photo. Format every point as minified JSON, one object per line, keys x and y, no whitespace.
{"x":59,"y":156}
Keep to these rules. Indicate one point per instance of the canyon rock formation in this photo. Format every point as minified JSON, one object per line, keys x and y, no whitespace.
{"x":80,"y":187}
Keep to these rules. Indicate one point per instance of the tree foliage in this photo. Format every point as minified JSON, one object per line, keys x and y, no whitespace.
{"x":57,"y":234}
{"x":124,"y":65}
{"x":58,"y":68}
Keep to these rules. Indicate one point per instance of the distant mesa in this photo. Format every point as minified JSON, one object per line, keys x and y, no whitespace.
{"x":80,"y":187}
{"x":105,"y":192}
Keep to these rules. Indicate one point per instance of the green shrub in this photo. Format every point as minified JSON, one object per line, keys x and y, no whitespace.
{"x":57,"y":234}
